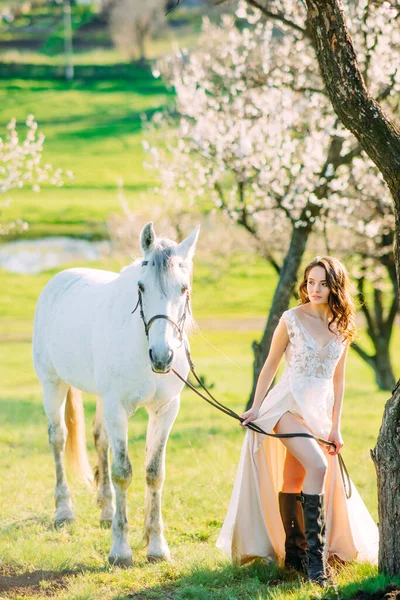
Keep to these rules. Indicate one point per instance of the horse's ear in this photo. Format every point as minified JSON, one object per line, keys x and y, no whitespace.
{"x":187,"y":248}
{"x":147,"y":237}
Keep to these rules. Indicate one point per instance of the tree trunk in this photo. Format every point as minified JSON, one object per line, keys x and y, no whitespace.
{"x":380,"y":138}
{"x":351,"y":101}
{"x":384,"y":375}
{"x":386,"y":457}
{"x":380,"y":362}
{"x":379,"y":327}
{"x":140,"y":42}
{"x":281,"y":299}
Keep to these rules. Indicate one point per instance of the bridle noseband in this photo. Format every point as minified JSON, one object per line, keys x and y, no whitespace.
{"x":179,"y":326}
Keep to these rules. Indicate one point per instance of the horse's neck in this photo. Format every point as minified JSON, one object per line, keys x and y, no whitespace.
{"x":124,"y":288}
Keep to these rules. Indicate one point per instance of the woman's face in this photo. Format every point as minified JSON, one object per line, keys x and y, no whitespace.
{"x":317,"y":286}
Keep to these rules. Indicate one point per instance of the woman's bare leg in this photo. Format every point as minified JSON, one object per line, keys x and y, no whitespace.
{"x":306,"y":451}
{"x":293,"y":475}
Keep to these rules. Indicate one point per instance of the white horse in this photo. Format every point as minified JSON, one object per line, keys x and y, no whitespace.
{"x":86,"y":338}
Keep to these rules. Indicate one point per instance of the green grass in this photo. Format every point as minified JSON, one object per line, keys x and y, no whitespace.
{"x":93,"y":125}
{"x":202,"y":458}
{"x":94,"y":129}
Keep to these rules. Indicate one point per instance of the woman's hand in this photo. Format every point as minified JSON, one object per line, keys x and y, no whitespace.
{"x":249,"y":415}
{"x":335,"y":437}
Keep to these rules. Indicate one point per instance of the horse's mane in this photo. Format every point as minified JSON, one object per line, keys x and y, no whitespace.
{"x":162,"y":259}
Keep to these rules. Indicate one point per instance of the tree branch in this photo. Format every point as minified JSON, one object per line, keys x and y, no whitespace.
{"x":364,"y":355}
{"x":364,"y":308}
{"x":357,"y":110}
{"x":277,"y":16}
{"x":378,"y":309}
{"x":394,"y":309}
{"x":388,"y":89}
{"x":267,"y":254}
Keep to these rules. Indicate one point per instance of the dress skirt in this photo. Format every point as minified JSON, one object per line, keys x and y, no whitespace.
{"x":253,"y":526}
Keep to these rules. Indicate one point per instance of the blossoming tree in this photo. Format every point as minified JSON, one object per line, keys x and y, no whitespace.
{"x":262,"y":140}
{"x":133,"y":23}
{"x":365,"y":240}
{"x":380,"y":137}
{"x":20,"y":166}
{"x":344,"y":65}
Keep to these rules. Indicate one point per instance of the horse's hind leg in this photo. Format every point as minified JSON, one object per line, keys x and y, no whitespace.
{"x":160,"y":423}
{"x":54,"y":398}
{"x":103,"y":474}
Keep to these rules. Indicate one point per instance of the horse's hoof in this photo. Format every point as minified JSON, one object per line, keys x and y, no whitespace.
{"x":105,"y":523}
{"x":117,"y":561}
{"x":155,"y":559}
{"x":152,"y":558}
{"x":60,"y":523}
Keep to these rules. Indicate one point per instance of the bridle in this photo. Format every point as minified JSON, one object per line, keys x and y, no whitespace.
{"x":179,"y":326}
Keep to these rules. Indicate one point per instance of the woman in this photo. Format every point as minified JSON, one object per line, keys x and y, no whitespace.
{"x":288,"y":499}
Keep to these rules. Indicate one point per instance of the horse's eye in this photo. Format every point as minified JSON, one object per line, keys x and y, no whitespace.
{"x":141,"y":287}
{"x":184,"y":289}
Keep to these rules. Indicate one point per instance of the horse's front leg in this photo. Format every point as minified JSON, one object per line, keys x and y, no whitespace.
{"x":116,"y":422}
{"x":161,"y":420}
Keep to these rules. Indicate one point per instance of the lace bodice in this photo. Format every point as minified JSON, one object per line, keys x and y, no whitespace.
{"x":305,"y":357}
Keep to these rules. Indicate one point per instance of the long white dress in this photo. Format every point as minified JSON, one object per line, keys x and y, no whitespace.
{"x":253,"y":526}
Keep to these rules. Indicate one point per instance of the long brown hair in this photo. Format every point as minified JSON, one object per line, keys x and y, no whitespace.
{"x":339,"y":300}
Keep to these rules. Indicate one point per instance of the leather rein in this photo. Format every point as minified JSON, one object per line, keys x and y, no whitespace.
{"x":179,"y":326}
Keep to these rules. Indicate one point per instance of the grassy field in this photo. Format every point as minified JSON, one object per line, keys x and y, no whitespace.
{"x":93,"y":127}
{"x":202,"y":457}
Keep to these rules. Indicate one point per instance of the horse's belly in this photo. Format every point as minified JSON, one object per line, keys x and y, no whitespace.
{"x":71,"y":355}
{"x":75,"y":369}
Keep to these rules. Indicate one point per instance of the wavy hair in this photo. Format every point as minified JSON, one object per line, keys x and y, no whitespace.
{"x":339,"y":300}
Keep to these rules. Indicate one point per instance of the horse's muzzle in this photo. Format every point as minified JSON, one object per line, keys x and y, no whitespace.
{"x":160,"y":365}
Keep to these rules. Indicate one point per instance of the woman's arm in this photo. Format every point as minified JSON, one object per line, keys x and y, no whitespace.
{"x":338,"y":390}
{"x":279,"y":342}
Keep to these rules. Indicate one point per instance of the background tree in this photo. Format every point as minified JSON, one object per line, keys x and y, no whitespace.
{"x":132,"y":24}
{"x":380,"y":138}
{"x":342,"y":65}
{"x":355,"y":104}
{"x":20,"y":166}
{"x":256,"y":130}
{"x":368,"y":251}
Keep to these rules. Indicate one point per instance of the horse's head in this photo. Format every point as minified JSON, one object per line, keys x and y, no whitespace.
{"x":164,"y":287}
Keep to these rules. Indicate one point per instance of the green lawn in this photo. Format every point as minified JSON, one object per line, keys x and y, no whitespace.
{"x":93,"y":125}
{"x":93,"y":129}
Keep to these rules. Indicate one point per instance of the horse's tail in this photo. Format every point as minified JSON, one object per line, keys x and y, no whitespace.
{"x":75,"y":447}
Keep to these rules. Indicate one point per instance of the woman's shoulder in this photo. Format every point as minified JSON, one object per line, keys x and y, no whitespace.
{"x":290,"y":312}
{"x":288,"y":315}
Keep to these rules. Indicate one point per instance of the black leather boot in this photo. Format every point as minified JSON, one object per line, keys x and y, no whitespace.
{"x":314,"y":524}
{"x":293,"y":522}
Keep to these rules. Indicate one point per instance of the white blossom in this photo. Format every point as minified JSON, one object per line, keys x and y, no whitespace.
{"x":255,"y":127}
{"x":20,"y":165}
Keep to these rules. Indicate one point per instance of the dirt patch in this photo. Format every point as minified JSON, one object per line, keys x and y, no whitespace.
{"x":167,"y":594}
{"x":45,"y":582}
{"x":391,"y":592}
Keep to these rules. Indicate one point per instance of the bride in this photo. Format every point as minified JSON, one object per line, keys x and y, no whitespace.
{"x":289,"y":502}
